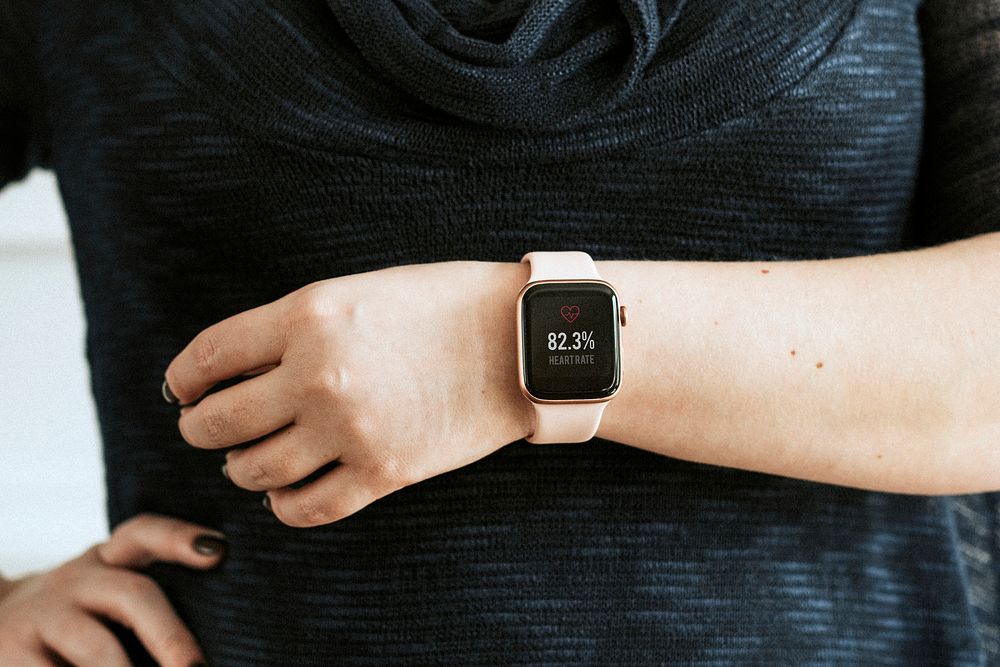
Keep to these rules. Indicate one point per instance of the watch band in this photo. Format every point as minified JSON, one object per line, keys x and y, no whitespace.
{"x":563,"y":422}
{"x":568,"y":422}
{"x":560,"y":265}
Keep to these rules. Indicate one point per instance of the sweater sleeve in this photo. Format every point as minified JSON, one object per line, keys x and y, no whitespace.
{"x":23,"y":140}
{"x":958,"y":188}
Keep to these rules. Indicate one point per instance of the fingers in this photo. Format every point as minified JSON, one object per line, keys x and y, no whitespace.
{"x":150,"y":537}
{"x":243,"y":342}
{"x":84,"y":641}
{"x":337,"y":494}
{"x":247,"y":410}
{"x":278,"y":461}
{"x":135,"y":601}
{"x":59,"y":616}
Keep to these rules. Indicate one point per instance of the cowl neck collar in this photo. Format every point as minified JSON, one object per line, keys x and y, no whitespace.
{"x":562,"y":62}
{"x":288,"y":71}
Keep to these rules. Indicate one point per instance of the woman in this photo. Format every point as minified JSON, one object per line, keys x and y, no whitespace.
{"x":304,"y":223}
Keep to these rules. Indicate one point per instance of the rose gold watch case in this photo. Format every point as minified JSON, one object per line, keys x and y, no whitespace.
{"x":619,"y":319}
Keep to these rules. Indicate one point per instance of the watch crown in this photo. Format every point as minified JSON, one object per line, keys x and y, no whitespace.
{"x":623,"y":315}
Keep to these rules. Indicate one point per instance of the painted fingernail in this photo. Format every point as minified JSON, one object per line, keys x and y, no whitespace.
{"x":225,"y":473}
{"x":168,"y":395}
{"x":209,"y":545}
{"x":267,"y":502}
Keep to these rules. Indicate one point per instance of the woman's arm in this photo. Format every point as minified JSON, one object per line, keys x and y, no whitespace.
{"x":879,"y":371}
{"x":908,"y":394}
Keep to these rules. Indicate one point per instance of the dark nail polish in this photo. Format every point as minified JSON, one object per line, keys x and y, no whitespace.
{"x":225,"y":473}
{"x":267,"y":502}
{"x":168,"y":395}
{"x":209,"y":545}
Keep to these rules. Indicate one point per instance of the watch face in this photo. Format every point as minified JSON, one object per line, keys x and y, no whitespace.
{"x":569,"y":338}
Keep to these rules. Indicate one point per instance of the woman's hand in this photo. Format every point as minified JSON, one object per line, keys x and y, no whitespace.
{"x":398,"y":375}
{"x":58,"y":611}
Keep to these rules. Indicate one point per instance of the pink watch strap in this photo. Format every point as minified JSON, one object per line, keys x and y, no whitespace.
{"x":563,"y":422}
{"x":560,"y":265}
{"x":568,"y":422}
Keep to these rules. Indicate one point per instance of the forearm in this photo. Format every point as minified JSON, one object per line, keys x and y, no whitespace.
{"x":879,"y":372}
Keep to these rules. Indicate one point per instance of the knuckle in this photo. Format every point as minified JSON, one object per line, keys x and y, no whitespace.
{"x":311,"y":308}
{"x":335,"y":383}
{"x":259,"y":473}
{"x":205,"y":349}
{"x":215,"y":423}
{"x":312,"y":511}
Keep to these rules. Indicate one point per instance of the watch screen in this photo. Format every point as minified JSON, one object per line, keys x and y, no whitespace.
{"x":570,"y":339}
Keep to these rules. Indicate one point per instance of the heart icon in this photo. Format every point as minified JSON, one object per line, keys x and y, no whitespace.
{"x":570,"y":313}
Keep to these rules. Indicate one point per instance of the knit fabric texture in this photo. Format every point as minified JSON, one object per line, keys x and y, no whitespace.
{"x":215,"y":155}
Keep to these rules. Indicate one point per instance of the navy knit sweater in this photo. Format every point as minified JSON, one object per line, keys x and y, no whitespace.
{"x":214,"y":155}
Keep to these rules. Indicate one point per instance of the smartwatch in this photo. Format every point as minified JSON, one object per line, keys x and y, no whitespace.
{"x":568,"y":344}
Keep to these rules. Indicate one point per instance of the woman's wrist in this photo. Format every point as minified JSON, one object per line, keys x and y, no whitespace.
{"x":635,"y":397}
{"x":498,"y":336}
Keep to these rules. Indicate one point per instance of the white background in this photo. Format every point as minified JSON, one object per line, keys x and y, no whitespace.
{"x":51,"y":470}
